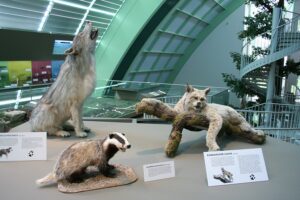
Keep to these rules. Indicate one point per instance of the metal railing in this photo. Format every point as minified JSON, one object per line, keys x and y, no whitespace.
{"x":283,"y":122}
{"x":17,"y":97}
{"x":280,"y":116}
{"x":288,"y":36}
{"x":111,"y":98}
{"x":106,"y":103}
{"x":288,"y":98}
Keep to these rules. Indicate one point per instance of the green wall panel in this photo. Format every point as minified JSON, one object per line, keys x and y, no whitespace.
{"x":124,"y":29}
{"x":230,"y":8}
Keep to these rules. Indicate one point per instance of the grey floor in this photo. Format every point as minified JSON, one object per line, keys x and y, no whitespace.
{"x":17,"y":179}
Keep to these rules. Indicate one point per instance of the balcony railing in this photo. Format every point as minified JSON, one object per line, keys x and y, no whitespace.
{"x":257,"y":52}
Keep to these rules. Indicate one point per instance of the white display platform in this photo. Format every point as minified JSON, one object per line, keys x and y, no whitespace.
{"x":282,"y":160}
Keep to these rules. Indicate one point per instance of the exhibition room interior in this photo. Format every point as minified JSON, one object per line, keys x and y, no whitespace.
{"x":247,"y":52}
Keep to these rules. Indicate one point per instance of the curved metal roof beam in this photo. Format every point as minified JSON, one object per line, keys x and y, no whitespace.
{"x":202,"y":36}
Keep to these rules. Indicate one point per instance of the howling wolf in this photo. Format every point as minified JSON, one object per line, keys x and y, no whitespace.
{"x":75,"y":82}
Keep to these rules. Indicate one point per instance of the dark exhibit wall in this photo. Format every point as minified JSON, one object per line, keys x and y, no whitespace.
{"x":22,"y":45}
{"x":27,"y":72}
{"x":29,"y":57}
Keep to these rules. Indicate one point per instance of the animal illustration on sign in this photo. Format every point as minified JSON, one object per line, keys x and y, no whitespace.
{"x":225,"y":177}
{"x":5,"y":151}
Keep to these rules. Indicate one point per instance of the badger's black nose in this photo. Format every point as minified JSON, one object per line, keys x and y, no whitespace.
{"x":128,"y":146}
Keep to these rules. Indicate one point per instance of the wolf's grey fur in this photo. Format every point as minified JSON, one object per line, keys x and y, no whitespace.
{"x":75,"y":82}
{"x":74,"y":161}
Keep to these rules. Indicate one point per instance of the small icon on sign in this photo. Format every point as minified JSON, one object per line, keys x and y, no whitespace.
{"x":31,"y":153}
{"x":252,"y":177}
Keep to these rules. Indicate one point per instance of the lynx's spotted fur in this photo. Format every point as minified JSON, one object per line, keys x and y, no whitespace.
{"x":220,"y":116}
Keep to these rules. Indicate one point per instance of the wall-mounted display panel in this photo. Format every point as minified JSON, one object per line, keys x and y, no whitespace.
{"x":19,"y":73}
{"x":41,"y":72}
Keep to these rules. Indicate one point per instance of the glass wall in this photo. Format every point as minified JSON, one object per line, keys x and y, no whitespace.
{"x":113,"y":99}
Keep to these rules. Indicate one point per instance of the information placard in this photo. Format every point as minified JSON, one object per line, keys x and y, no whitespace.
{"x":236,"y":166}
{"x":21,"y":146}
{"x":157,"y":171}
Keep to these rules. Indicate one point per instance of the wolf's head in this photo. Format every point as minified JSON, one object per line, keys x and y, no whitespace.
{"x":84,"y":42}
{"x":195,"y":99}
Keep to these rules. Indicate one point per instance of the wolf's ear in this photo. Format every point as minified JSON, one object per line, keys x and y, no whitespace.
{"x":207,"y":91}
{"x":189,"y":88}
{"x":71,"y":51}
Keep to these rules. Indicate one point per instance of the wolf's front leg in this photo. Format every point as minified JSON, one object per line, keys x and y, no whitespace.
{"x":214,"y":128}
{"x":77,"y":121}
{"x":83,"y":127}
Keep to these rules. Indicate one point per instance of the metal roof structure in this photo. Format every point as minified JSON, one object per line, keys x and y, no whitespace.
{"x":176,"y":38}
{"x":58,"y":16}
{"x":161,"y":56}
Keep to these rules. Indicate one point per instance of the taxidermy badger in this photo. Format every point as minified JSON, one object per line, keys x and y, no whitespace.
{"x":75,"y":82}
{"x":73,"y":162}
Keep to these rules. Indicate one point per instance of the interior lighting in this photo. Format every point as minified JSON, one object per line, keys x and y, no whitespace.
{"x":110,"y":2}
{"x":84,"y":16}
{"x":46,"y":15}
{"x":75,"y":5}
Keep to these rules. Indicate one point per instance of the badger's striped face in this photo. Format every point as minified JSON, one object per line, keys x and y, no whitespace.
{"x":119,"y":140}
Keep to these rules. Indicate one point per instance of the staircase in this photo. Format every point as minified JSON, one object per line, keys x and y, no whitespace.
{"x":255,"y":68}
{"x":280,"y":120}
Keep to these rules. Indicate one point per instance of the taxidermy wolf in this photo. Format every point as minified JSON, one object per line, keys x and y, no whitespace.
{"x":75,"y":82}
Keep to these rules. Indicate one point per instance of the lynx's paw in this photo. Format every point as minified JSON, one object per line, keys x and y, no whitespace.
{"x":213,"y":147}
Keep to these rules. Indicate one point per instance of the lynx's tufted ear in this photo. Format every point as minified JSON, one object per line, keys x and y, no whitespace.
{"x":189,"y":88}
{"x":71,"y":51}
{"x":207,"y":91}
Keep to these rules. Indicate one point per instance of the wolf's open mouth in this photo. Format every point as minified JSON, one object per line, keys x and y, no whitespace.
{"x":94,"y":34}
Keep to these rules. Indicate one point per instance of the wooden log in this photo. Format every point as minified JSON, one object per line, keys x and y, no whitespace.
{"x":180,"y":121}
{"x":156,"y":108}
{"x":191,"y":120}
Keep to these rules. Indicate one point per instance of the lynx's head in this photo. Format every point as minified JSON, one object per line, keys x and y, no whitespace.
{"x":195,"y":100}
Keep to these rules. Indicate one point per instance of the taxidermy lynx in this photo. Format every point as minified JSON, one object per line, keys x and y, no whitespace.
{"x":220,"y":116}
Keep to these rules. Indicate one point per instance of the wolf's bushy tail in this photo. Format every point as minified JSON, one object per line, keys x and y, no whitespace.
{"x":47,"y":180}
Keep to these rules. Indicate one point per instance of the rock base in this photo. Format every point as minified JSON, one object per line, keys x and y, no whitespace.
{"x":124,"y":175}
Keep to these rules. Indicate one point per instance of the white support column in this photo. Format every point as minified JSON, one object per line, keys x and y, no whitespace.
{"x":272,"y":73}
